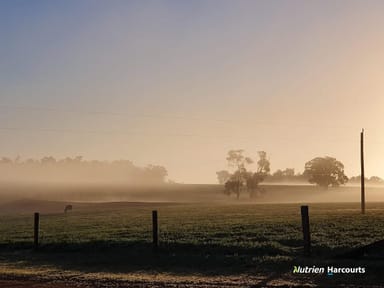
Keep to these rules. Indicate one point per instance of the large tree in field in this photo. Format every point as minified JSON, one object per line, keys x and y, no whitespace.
{"x":237,"y":160}
{"x":241,"y":177}
{"x":325,"y":172}
{"x":254,"y":179}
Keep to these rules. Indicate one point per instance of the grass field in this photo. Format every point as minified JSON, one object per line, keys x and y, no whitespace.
{"x":209,"y":240}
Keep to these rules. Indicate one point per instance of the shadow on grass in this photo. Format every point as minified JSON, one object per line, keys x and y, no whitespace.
{"x":266,"y":259}
{"x":197,"y":259}
{"x":120,"y":257}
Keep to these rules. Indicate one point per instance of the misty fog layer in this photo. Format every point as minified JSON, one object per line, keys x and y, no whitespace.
{"x":78,"y":180}
{"x":77,"y":170}
{"x":26,"y":197}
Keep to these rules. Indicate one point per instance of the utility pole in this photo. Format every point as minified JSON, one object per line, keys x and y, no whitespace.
{"x":362,"y":172}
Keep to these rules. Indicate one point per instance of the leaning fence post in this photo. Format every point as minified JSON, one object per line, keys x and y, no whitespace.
{"x":155,"y":231}
{"x":306,"y":232}
{"x":36,"y":231}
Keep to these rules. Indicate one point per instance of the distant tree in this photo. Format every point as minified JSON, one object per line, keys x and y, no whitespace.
{"x":254,"y":179}
{"x":301,"y":177}
{"x":172,"y":182}
{"x":235,"y":182}
{"x":376,"y":180}
{"x":155,"y":174}
{"x":77,"y":168}
{"x":75,"y":160}
{"x":232,"y":186}
{"x":325,"y":172}
{"x":223,"y":176}
{"x":237,"y":160}
{"x":6,"y":160}
{"x":263,"y":165}
{"x":48,"y":160}
{"x":357,"y":179}
{"x":278,"y":174}
{"x":289,"y":172}
{"x":31,"y":161}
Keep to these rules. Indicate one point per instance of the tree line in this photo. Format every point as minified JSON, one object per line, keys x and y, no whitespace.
{"x":323,"y":171}
{"x":77,"y":169}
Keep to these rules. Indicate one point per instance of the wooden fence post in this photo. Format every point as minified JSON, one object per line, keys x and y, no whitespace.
{"x":36,"y":231}
{"x":155,"y":231}
{"x":306,"y":232}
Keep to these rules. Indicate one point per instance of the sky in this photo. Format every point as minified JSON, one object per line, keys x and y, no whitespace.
{"x":180,"y":83}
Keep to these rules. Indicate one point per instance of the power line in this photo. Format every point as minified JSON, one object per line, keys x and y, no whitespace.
{"x":290,"y":124}
{"x":63,"y":110}
{"x":153,"y":116}
{"x":49,"y":130}
{"x":76,"y":111}
{"x":176,"y":134}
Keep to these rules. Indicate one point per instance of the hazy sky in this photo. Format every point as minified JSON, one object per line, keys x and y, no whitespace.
{"x":179,"y":83}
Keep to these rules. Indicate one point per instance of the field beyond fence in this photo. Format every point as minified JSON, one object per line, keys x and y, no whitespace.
{"x":199,"y":238}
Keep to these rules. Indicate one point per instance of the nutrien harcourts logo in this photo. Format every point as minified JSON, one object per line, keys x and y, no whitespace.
{"x":330,"y":270}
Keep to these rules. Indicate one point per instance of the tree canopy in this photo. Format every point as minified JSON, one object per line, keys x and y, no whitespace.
{"x":241,"y":177}
{"x":325,"y":172}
